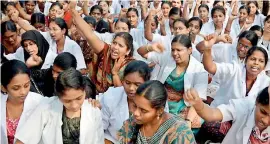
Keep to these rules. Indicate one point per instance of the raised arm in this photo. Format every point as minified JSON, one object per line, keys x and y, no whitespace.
{"x":209,"y":64}
{"x":196,"y":9}
{"x":203,"y":110}
{"x":144,"y":50}
{"x":147,"y":30}
{"x":96,"y":44}
{"x":21,"y":22}
{"x":85,"y":7}
{"x":186,"y":10}
{"x":22,"y":12}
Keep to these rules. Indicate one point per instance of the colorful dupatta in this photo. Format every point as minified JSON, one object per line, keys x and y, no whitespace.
{"x":101,"y":67}
{"x":172,"y":131}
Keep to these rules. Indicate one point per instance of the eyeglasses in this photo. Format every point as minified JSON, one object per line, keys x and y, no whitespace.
{"x":242,"y":45}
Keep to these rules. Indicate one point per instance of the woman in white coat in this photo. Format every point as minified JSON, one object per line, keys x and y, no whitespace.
{"x":178,"y":72}
{"x":236,"y":81}
{"x":17,"y":103}
{"x":117,"y":102}
{"x":59,"y":41}
{"x":250,"y":119}
{"x":68,"y":118}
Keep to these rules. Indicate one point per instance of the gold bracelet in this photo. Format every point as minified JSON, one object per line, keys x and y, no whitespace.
{"x":147,"y":48}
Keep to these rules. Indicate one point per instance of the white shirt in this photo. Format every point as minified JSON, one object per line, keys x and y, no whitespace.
{"x":31,"y":102}
{"x":195,"y":77}
{"x":232,"y":78}
{"x":242,"y":113}
{"x":69,"y":46}
{"x":45,"y":124}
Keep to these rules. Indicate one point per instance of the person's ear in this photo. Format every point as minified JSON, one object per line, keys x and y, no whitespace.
{"x":160,"y":111}
{"x":3,"y":89}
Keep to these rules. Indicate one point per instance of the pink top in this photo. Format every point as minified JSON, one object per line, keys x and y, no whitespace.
{"x":259,"y":138}
{"x":11,"y":129}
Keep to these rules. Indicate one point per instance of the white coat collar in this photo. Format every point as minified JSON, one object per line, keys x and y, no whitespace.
{"x":85,"y":122}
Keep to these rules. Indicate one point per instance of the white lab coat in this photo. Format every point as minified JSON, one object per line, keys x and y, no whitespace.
{"x":69,"y":46}
{"x":114,"y":111}
{"x":44,"y":125}
{"x":226,"y":53}
{"x":195,"y":76}
{"x":232,"y":83}
{"x":259,"y":20}
{"x":242,"y":113}
{"x":31,"y":102}
{"x":235,"y":29}
{"x":207,"y":29}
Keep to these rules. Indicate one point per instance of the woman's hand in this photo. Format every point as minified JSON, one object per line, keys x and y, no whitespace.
{"x":209,"y":41}
{"x":192,"y":97}
{"x":72,"y":4}
{"x":94,"y":103}
{"x":117,"y":65}
{"x":33,"y":61}
{"x":157,"y":47}
{"x":225,"y":38}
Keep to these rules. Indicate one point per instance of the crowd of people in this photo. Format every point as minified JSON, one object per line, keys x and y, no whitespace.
{"x":135,"y":72}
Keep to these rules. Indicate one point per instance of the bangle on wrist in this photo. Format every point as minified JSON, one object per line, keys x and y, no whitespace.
{"x":147,"y":48}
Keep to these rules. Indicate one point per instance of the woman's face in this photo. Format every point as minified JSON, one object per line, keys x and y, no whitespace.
{"x":10,"y":37}
{"x":10,"y":10}
{"x":262,"y":116}
{"x":56,"y":32}
{"x":40,"y":27}
{"x":266,"y":28}
{"x":18,"y":88}
{"x":172,"y":18}
{"x":252,"y":8}
{"x":242,"y":47}
{"x":218,"y":18}
{"x":30,"y":7}
{"x":104,"y":6}
{"x":131,"y":82}
{"x":176,"y":3}
{"x":143,"y":112}
{"x":96,"y":13}
{"x":54,"y":11}
{"x":203,"y":13}
{"x":31,"y":47}
{"x":64,"y":4}
{"x":165,"y":10}
{"x":180,"y":53}
{"x":243,"y":15}
{"x":133,"y":18}
{"x":56,"y":70}
{"x":119,"y":48}
{"x":179,"y":28}
{"x":121,"y":27}
{"x":194,"y":27}
{"x":73,"y":99}
{"x":255,"y":63}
